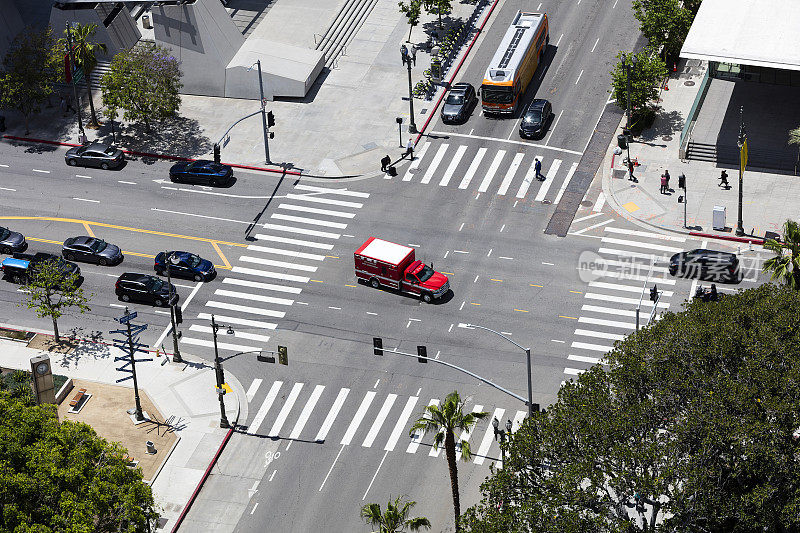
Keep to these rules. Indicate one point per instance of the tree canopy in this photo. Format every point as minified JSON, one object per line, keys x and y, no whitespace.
{"x":664,"y":23}
{"x":647,"y":72}
{"x":689,"y":428}
{"x":60,"y":476}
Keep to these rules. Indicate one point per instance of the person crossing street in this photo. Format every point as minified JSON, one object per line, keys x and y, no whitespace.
{"x":538,"y":168}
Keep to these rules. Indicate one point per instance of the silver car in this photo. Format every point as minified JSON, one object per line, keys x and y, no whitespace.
{"x":95,"y":155}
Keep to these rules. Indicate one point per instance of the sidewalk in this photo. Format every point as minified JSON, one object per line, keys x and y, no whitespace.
{"x":769,"y":199}
{"x":185,"y":391}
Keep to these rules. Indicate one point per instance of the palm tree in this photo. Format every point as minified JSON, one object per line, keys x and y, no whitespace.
{"x":786,"y":264}
{"x":85,"y":50}
{"x":794,"y":138}
{"x":395,"y":519}
{"x":445,"y":421}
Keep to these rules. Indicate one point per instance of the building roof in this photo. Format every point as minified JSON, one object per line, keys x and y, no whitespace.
{"x":386,"y":251}
{"x":746,"y":32}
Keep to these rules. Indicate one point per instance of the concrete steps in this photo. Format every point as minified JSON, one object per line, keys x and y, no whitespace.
{"x":341,"y":31}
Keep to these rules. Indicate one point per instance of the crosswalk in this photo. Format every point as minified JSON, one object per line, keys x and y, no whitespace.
{"x":626,"y":260}
{"x":370,"y":419}
{"x":265,"y":280}
{"x":497,"y":172}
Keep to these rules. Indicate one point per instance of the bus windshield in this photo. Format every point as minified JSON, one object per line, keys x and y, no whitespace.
{"x":497,"y":95}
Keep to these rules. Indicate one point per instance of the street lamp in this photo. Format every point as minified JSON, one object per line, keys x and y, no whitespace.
{"x":263,"y":109}
{"x":628,"y":66}
{"x":408,"y":59}
{"x":176,"y":357}
{"x":742,"y":142}
{"x":501,"y":435}
{"x":223,"y":419}
{"x":528,"y":359}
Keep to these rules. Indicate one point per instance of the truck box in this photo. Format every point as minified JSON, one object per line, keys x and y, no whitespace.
{"x":386,"y":264}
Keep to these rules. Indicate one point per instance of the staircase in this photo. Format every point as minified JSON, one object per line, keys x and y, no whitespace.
{"x":701,"y":151}
{"x":341,"y":31}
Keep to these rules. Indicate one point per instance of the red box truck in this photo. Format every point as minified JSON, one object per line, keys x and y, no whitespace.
{"x":386,"y":264}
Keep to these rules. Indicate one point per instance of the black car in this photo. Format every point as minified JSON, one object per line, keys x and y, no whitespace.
{"x":702,"y":263}
{"x":459,"y":103}
{"x":201,"y":172}
{"x":91,"y":250}
{"x":21,"y":267}
{"x":184,"y":265}
{"x":11,"y":241}
{"x":535,"y":120}
{"x":67,"y":267}
{"x":145,"y":288}
{"x":95,"y":155}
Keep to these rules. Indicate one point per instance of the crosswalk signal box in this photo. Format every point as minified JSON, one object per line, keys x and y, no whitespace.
{"x":283,"y":355}
{"x":377,"y":345}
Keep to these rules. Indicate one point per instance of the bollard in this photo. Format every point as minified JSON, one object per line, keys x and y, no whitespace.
{"x":151,"y":448}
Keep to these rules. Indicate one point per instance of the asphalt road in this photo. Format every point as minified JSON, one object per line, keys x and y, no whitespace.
{"x":328,"y":433}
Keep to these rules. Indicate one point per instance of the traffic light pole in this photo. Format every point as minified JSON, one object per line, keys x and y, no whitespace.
{"x":263,"y":114}
{"x":176,"y":356}
{"x":223,"y":418}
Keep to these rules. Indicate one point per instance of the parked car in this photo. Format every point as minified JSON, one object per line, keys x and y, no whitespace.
{"x":702,"y":263}
{"x":184,"y":265}
{"x":21,"y":267}
{"x":460,"y":102}
{"x":91,"y":250}
{"x":67,"y":267}
{"x":535,"y":119}
{"x":133,"y":287}
{"x":201,"y":172}
{"x":11,"y":241}
{"x":95,"y":155}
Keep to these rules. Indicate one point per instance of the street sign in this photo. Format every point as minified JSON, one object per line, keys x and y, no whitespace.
{"x":127,"y":318}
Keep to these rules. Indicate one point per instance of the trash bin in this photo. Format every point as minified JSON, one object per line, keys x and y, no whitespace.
{"x":622,"y":141}
{"x":718,"y":218}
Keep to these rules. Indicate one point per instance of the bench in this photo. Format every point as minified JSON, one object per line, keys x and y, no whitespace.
{"x":77,"y":398}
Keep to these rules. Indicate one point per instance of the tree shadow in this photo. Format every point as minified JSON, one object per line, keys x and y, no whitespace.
{"x":665,"y":123}
{"x":179,"y":136}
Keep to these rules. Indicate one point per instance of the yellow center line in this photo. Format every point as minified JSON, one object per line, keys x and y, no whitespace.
{"x":43,"y":240}
{"x":125,"y":252}
{"x":88,"y":229}
{"x":576,"y":292}
{"x":496,"y":279}
{"x":534,"y":285}
{"x":315,"y":280}
{"x":570,"y":317}
{"x":472,"y":303}
{"x":333,"y":256}
{"x":521,"y":311}
{"x":448,"y":273}
{"x":348,"y":285}
{"x":222,"y":256}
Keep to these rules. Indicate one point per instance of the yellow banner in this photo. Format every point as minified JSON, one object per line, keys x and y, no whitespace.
{"x":743,"y":155}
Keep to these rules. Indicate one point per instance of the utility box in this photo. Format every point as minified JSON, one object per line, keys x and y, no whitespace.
{"x":718,"y":218}
{"x":146,"y":22}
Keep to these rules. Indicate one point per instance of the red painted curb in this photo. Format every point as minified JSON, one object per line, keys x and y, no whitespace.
{"x":202,"y":481}
{"x":746,"y":240}
{"x":148,"y":154}
{"x":455,"y":72}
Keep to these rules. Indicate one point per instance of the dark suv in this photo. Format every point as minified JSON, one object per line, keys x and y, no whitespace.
{"x":535,"y":120}
{"x":146,"y":289}
{"x":21,"y":267}
{"x":705,"y":264}
{"x":458,"y":105}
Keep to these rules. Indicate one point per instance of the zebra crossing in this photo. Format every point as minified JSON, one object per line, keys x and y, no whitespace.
{"x":625,"y":261}
{"x":499,"y":172}
{"x":265,"y":280}
{"x":346,"y":418}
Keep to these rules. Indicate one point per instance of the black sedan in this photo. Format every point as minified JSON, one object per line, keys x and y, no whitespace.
{"x":702,"y":263}
{"x":201,"y":172}
{"x":11,"y":241}
{"x":534,"y":121}
{"x":184,"y":265}
{"x":91,"y":250}
{"x":459,"y":103}
{"x":145,"y":288}
{"x":95,"y":155}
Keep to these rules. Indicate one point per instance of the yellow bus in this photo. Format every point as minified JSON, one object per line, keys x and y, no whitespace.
{"x":514,"y":63}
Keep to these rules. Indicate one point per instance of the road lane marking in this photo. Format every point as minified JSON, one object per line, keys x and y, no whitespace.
{"x":595,"y":44}
{"x":265,"y":406}
{"x":401,"y":422}
{"x":437,"y":159}
{"x":487,"y":439}
{"x":316,"y":211}
{"x":306,"y":412}
{"x":259,"y":285}
{"x":331,"y":468}
{"x":374,"y":476}
{"x":251,"y":391}
{"x":415,"y":162}
{"x":284,"y":412}
{"x":7,"y":189}
{"x":509,"y":177}
{"x":331,"y":416}
{"x":86,"y":200}
{"x":379,"y":420}
{"x":41,"y":171}
{"x":473,"y":167}
{"x":358,"y":417}
{"x":448,"y":174}
{"x":342,"y":192}
{"x":417,"y":437}
{"x":127,"y":182}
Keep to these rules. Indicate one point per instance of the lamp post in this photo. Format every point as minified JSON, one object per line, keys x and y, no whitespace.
{"x":263,"y":110}
{"x":176,"y":357}
{"x":742,"y":142}
{"x":223,"y":419}
{"x":408,"y":59}
{"x":72,"y":77}
{"x":628,"y":66}
{"x":501,"y":435}
{"x":527,"y":358}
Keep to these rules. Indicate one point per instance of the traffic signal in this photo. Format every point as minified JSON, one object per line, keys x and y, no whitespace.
{"x":682,"y":182}
{"x":422,"y":354}
{"x":283,"y":355}
{"x":653,"y":293}
{"x":270,"y":119}
{"x":377,"y":345}
{"x":216,"y":153}
{"x":178,"y":315}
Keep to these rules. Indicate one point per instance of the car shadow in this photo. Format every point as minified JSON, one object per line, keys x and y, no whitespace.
{"x":445,"y":298}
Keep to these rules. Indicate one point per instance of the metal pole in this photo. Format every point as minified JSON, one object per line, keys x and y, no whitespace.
{"x":412,"y":126}
{"x":685,"y":201}
{"x":628,"y":99}
{"x":637,"y":319}
{"x":263,"y":113}
{"x":72,"y":75}
{"x":530,"y":387}
{"x":739,"y":223}
{"x":223,"y":419}
{"x":176,"y":356}
{"x":400,"y":131}
{"x":139,"y":415}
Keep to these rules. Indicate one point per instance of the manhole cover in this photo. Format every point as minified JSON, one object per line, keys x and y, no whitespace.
{"x":666,"y":138}
{"x":424,"y":110}
{"x":688,"y":83}
{"x":586,"y":203}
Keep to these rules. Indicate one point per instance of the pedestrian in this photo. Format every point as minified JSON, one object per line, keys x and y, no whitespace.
{"x":663,"y":184}
{"x":666,"y":181}
{"x":630,"y":171}
{"x":538,"y":167}
{"x":385,"y":161}
{"x":63,"y":105}
{"x":723,"y":180}
{"x":410,"y":148}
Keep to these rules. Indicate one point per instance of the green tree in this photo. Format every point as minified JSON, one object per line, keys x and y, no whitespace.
{"x":664,"y":23}
{"x":794,"y":138}
{"x":786,"y":263}
{"x":143,"y":82}
{"x":646,"y":74}
{"x":32,"y":65}
{"x":85,"y":51}
{"x":689,"y":428}
{"x":438,"y":8}
{"x":445,"y":421}
{"x":395,"y":519}
{"x":60,"y":476}
{"x":50,"y":291}
{"x":412,"y":10}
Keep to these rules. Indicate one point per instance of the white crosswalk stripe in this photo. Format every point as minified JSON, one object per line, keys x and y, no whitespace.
{"x":342,"y":192}
{"x":599,"y":334}
{"x":465,"y":435}
{"x":359,"y":416}
{"x":330,"y":418}
{"x":526,"y":183}
{"x":584,"y":359}
{"x":237,"y":334}
{"x":620,"y":287}
{"x":289,"y":253}
{"x":400,"y":426}
{"x":649,"y":258}
{"x":265,"y":407}
{"x":239,"y":321}
{"x":254,"y":297}
{"x":251,"y":391}
{"x":310,"y":221}
{"x":221,"y":345}
{"x":306,"y":413}
{"x":566,"y":182}
{"x":284,"y":413}
{"x":298,"y":242}
{"x":486,"y":443}
{"x":302,"y":231}
{"x":262,"y":286}
{"x":609,"y":323}
{"x":510,"y":173}
{"x":473,"y":168}
{"x":437,"y":159}
{"x":278,"y":264}
{"x":379,"y":420}
{"x":321,"y":200}
{"x":487,"y":179}
{"x":268,"y":274}
{"x":548,"y":181}
{"x":648,"y":234}
{"x":316,"y":211}
{"x":420,"y":434}
{"x":246,"y":309}
{"x":641,"y":244}
{"x":415,"y":163}
{"x":451,"y":169}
